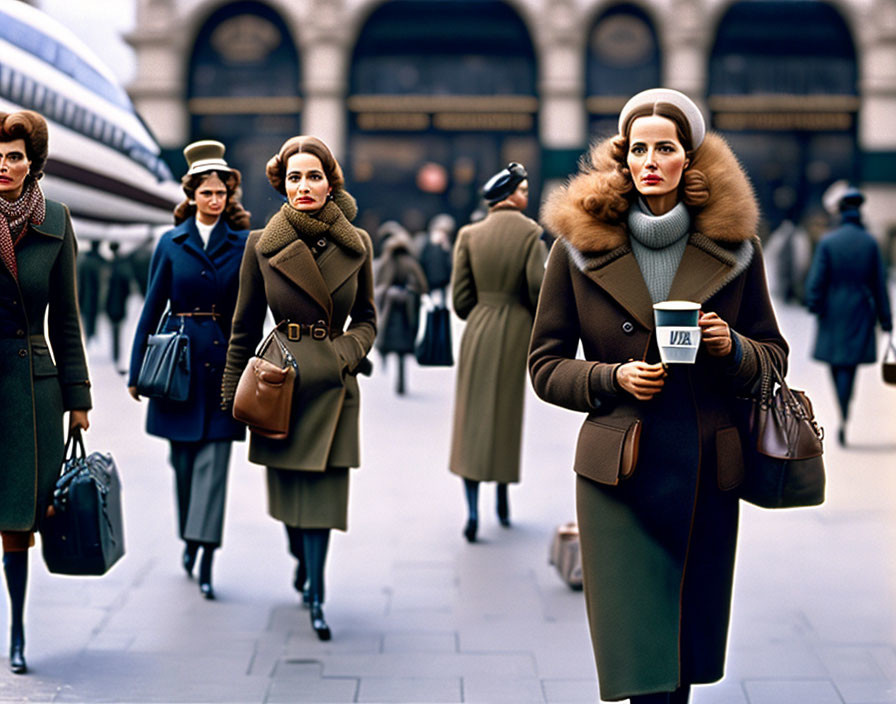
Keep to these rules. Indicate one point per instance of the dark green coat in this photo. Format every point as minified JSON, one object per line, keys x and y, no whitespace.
{"x":35,"y":391}
{"x":498,"y":268}
{"x":658,"y":548}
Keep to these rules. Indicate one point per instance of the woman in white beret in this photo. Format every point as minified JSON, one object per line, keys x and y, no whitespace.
{"x":662,"y":211}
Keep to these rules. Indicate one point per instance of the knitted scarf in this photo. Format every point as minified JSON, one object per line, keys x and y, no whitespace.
{"x":31,"y":207}
{"x":658,"y":243}
{"x":332,"y":221}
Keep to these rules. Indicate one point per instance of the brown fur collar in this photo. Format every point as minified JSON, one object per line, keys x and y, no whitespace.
{"x":730,"y":216}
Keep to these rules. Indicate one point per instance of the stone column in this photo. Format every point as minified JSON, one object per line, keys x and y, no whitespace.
{"x":685,"y":42}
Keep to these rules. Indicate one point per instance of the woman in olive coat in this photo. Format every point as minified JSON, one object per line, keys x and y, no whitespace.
{"x":657,"y":213}
{"x":498,"y":268}
{"x":37,"y":280}
{"x":312,"y":268}
{"x":194,"y":275}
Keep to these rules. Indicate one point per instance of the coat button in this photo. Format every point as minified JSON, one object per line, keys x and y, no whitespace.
{"x":203,"y":273}
{"x":23,"y":353}
{"x":20,"y":333}
{"x":628,"y":327}
{"x":216,"y":342}
{"x":208,"y":365}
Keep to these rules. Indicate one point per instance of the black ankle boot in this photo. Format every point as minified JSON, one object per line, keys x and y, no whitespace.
{"x":188,"y":559}
{"x":503,"y":506}
{"x":15,"y":564}
{"x":205,"y":572}
{"x":471,"y":492}
{"x":318,"y":622}
{"x":470,"y":530}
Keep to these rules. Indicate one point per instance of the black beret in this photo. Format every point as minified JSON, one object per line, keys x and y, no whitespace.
{"x":504,"y":183}
{"x":851,"y":199}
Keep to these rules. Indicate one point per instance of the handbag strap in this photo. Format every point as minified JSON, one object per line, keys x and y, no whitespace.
{"x":284,"y":350}
{"x":164,"y":320}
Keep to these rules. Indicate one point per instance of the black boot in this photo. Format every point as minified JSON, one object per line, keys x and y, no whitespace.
{"x":503,"y":506}
{"x":188,"y":559}
{"x":205,"y":571}
{"x":316,"y":542}
{"x":297,"y":550}
{"x":15,"y":564}
{"x":400,"y":384}
{"x":471,"y":491}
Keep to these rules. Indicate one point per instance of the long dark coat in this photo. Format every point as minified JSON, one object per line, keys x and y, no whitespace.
{"x":35,"y":391}
{"x":188,"y":277}
{"x":399,"y":284}
{"x":657,"y":548}
{"x":847,"y":290}
{"x":280,"y":272}
{"x":498,"y":268}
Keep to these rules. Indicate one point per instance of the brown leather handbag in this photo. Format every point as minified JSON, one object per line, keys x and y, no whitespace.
{"x":263,"y":398}
{"x":784,"y":463}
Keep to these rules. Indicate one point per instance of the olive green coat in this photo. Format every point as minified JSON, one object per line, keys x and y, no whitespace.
{"x":498,"y":268}
{"x":35,"y":391}
{"x":658,"y":547}
{"x":280,"y":272}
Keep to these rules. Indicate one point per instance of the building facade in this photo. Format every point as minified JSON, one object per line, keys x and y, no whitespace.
{"x":423,"y":99}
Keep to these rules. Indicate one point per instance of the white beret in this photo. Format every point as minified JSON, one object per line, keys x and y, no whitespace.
{"x":666,"y":95}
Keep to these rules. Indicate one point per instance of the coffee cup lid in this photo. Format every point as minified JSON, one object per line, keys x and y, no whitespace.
{"x":676,"y":305}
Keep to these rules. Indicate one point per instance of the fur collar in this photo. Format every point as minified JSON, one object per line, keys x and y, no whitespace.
{"x":729,"y":217}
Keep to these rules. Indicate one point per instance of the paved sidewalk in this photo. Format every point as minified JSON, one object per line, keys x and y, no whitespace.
{"x":418,"y":615}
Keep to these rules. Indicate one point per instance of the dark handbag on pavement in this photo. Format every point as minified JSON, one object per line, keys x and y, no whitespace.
{"x":165,"y":372}
{"x":263,"y":398}
{"x":889,"y":363}
{"x":784,"y":466}
{"x":83,"y":532}
{"x":434,"y":350}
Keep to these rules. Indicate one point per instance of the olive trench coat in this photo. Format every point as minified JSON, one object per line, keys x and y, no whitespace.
{"x":498,"y":268}
{"x":658,"y":547}
{"x":36,"y":389}
{"x":280,"y":272}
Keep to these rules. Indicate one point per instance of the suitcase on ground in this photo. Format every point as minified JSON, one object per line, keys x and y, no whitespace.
{"x":565,"y":554}
{"x":83,"y":534}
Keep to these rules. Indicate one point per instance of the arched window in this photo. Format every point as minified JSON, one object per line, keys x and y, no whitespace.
{"x":243,"y":90}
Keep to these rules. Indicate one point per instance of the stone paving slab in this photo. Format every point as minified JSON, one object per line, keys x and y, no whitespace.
{"x":410,"y":689}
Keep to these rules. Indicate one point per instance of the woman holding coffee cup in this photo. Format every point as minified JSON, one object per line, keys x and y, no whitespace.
{"x":660,"y":212}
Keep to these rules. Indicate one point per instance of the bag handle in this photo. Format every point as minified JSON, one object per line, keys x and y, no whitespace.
{"x":284,"y":350}
{"x":164,"y":319}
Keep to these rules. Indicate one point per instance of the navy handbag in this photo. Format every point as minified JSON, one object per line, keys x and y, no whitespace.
{"x":165,"y":372}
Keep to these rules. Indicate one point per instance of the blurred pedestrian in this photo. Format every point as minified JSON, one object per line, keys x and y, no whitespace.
{"x":498,"y":268}
{"x":436,"y":255}
{"x":118,"y":290}
{"x":37,"y":284}
{"x":847,"y":291}
{"x":140,"y":260}
{"x":399,"y":285}
{"x":91,"y":270}
{"x":312,"y":269}
{"x":194,"y":277}
{"x":657,"y":212}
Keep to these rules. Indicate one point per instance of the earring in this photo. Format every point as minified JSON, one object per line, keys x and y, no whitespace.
{"x":191,"y":202}
{"x":330,"y":195}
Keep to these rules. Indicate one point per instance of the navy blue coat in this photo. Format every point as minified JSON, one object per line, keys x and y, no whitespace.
{"x":847,"y":290}
{"x":193,"y":279}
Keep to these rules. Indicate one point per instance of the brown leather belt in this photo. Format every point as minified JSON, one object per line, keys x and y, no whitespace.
{"x":199,"y":314}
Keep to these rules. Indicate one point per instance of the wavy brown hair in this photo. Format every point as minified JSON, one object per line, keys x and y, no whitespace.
{"x":234,"y":213}
{"x":30,"y":127}
{"x":617,"y":192}
{"x":276,"y":167}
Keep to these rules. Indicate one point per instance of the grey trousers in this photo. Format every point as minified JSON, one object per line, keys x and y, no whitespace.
{"x":200,"y":470}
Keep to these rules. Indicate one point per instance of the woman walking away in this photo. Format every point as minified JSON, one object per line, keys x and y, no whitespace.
{"x":847,"y":290}
{"x":37,"y":283}
{"x":662,"y":211}
{"x":194,"y":275}
{"x":312,"y":269}
{"x":498,"y":268}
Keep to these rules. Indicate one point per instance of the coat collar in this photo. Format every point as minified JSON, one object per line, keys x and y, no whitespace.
{"x":187,"y":235}
{"x":54,"y":220}
{"x":706,"y":267}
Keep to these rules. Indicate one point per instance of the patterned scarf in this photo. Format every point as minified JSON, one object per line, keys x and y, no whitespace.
{"x":14,"y":215}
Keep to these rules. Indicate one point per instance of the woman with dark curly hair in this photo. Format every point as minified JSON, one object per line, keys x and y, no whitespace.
{"x":37,"y":283}
{"x":661,"y":211}
{"x":194,"y":274}
{"x":312,"y":269}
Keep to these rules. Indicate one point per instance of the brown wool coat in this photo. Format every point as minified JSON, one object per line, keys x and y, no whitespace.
{"x":657,"y":548}
{"x":35,"y":390}
{"x":279,"y":272}
{"x":498,"y":268}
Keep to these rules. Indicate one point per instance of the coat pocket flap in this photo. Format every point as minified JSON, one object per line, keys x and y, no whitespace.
{"x":607,"y":449}
{"x":42,"y":361}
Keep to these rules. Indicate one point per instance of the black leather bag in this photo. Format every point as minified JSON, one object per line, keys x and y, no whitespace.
{"x":434,"y":350}
{"x":165,"y":372}
{"x":83,"y":533}
{"x":888,"y":366}
{"x":784,"y":463}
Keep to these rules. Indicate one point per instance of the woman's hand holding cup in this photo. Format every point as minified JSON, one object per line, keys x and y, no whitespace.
{"x":640,"y":379}
{"x":715,"y":333}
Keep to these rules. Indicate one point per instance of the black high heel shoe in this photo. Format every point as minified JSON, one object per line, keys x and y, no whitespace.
{"x":205,"y":573}
{"x":318,"y":623}
{"x":17,"y":656}
{"x":188,"y":559}
{"x":470,"y":530}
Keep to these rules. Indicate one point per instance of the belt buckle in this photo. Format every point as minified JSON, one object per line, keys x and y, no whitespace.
{"x":294,"y":332}
{"x":319,"y":331}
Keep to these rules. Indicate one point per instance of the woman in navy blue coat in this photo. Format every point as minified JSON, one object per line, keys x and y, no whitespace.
{"x":195,"y":275}
{"x":847,"y":290}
